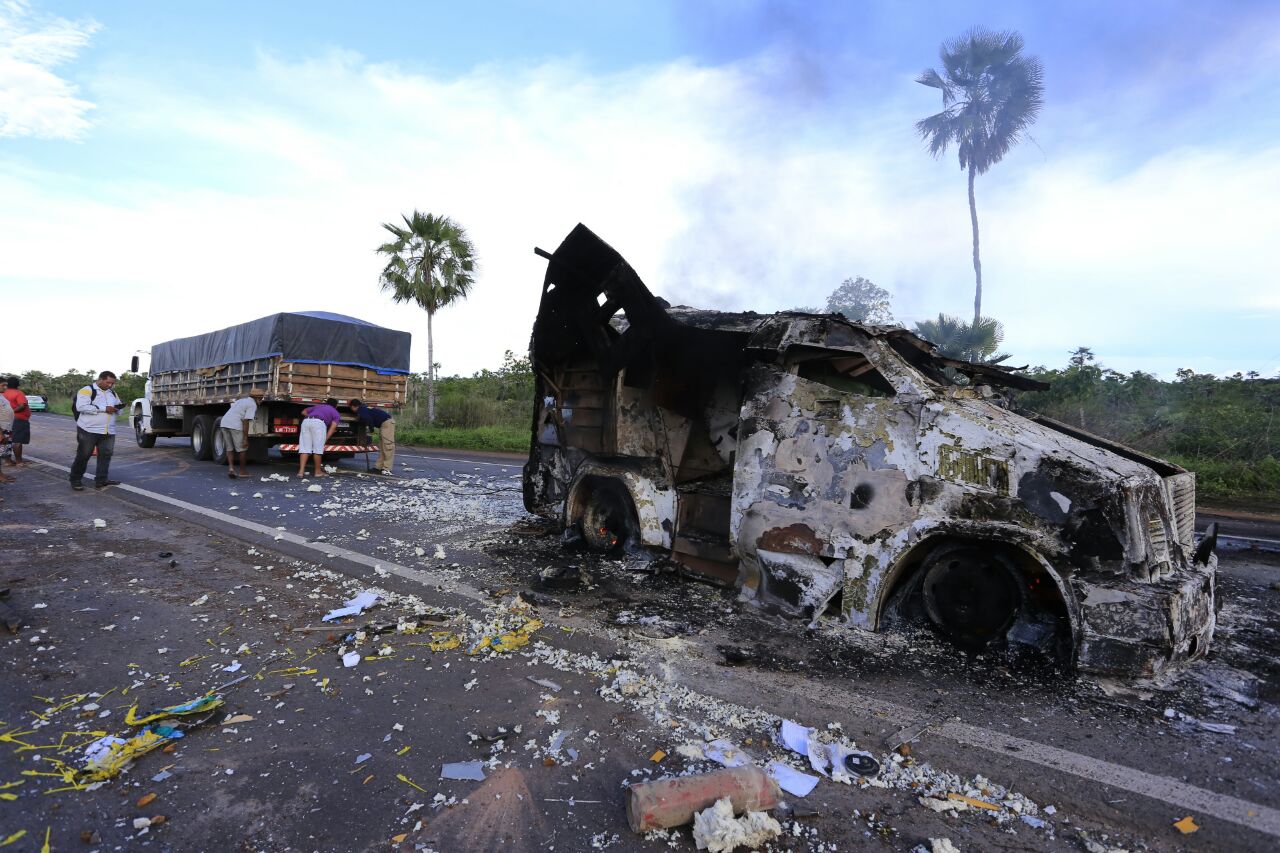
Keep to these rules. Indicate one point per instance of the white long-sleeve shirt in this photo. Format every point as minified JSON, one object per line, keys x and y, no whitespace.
{"x":93,"y":410}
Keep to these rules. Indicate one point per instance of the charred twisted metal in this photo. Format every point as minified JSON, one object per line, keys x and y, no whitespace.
{"x":822,"y":466}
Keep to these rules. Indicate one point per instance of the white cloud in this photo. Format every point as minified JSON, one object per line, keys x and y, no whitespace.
{"x":718,"y":195}
{"x":34,"y":100}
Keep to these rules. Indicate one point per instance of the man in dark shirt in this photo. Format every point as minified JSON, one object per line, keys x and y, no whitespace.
{"x":386,"y":427}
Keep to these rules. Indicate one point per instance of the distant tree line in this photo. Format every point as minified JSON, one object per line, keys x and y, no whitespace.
{"x":59,"y":390}
{"x":1227,"y":430}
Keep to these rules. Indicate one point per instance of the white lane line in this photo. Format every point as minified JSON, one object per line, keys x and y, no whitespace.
{"x":1194,"y":799}
{"x":422,"y":576}
{"x":462,"y":461}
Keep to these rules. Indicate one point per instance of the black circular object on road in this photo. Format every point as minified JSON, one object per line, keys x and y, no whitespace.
{"x":862,"y":765}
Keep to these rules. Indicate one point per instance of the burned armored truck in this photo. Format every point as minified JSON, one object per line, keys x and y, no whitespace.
{"x":836,"y":470}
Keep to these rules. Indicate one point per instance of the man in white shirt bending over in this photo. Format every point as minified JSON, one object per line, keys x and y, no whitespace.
{"x":235,"y":429}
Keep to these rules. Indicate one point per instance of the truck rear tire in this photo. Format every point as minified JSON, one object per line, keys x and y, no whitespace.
{"x":219,"y":447}
{"x":202,"y":438}
{"x":143,"y":439}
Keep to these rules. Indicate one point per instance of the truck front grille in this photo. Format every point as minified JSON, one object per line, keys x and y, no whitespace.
{"x":1182,"y":500}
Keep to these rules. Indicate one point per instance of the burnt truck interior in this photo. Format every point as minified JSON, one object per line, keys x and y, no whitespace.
{"x":828,"y":468}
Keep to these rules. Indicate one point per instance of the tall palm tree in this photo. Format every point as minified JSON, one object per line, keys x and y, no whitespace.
{"x":432,"y":263}
{"x":991,"y":95}
{"x":976,"y":342}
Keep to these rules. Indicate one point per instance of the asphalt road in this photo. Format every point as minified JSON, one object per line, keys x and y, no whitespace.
{"x":1119,"y":763}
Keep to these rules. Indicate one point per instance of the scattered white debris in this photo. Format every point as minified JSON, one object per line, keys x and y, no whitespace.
{"x":717,"y":830}
{"x":201,"y":600}
{"x":39,"y":606}
{"x":353,"y":606}
{"x":350,"y":659}
{"x":99,"y":523}
{"x":234,"y":666}
{"x":315,"y":488}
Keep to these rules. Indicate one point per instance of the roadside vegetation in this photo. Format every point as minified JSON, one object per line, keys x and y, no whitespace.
{"x":1226,"y":430}
{"x":490,"y":410}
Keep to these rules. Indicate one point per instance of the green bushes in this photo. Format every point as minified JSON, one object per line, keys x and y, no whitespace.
{"x":475,"y":438}
{"x":490,"y":410}
{"x":1226,"y":430}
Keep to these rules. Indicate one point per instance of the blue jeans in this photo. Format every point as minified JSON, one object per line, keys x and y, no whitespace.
{"x":85,"y":443}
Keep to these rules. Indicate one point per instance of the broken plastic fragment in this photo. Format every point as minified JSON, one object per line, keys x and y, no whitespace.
{"x":353,"y":606}
{"x":973,"y":801}
{"x":1186,"y":826}
{"x":196,"y":706}
{"x":791,"y":780}
{"x":545,"y":682}
{"x":795,"y":737}
{"x":463,"y":770}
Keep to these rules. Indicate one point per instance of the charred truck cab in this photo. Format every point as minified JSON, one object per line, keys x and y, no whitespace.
{"x":824,"y":468}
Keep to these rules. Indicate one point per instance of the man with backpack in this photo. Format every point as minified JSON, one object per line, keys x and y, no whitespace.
{"x":94,"y":408}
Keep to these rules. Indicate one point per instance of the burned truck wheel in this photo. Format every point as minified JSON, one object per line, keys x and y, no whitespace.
{"x":971,"y":594}
{"x":605,"y":514}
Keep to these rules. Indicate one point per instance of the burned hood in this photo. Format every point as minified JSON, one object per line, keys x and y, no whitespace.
{"x":1026,"y":438}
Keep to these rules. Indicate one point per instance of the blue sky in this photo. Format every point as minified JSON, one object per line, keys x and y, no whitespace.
{"x":238,"y":158}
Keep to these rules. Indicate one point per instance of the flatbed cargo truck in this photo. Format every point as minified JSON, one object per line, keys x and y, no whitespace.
{"x":298,"y":359}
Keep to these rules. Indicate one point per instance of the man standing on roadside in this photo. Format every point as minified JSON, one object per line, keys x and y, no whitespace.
{"x":94,"y":409}
{"x":235,"y":429}
{"x":381,"y":421}
{"x":21,"y":418}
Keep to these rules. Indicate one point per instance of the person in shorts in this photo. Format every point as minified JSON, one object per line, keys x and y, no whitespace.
{"x":318,"y":423}
{"x":235,"y":429}
{"x":21,"y":432}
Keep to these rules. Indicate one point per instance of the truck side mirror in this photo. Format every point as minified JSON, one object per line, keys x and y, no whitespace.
{"x":133,"y":365}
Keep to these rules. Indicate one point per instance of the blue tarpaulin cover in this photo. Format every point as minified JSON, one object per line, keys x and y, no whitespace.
{"x":316,"y":337}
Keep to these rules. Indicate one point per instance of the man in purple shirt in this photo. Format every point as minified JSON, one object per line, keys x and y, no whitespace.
{"x":318,"y":423}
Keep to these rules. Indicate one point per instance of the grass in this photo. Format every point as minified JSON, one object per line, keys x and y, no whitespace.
{"x":1235,"y":482}
{"x":512,"y":439}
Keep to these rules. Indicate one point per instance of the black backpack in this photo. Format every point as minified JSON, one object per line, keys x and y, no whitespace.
{"x":93,"y":395}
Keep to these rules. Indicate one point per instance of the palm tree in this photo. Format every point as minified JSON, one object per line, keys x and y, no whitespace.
{"x":976,"y":342}
{"x":432,"y":263}
{"x":991,"y":94}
